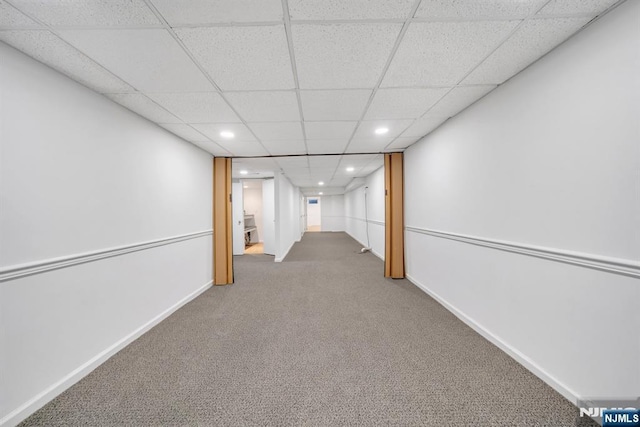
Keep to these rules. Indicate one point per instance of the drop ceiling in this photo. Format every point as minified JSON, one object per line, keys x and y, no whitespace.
{"x":293,"y":77}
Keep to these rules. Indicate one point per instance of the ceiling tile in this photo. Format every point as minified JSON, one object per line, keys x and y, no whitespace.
{"x":149,"y":60}
{"x":326,"y":146}
{"x":50,"y":50}
{"x":142,"y":105}
{"x":282,"y":148}
{"x":212,"y":148}
{"x":329,"y":130}
{"x":442,"y":53}
{"x":423,"y":126}
{"x":194,"y":12}
{"x":11,"y":18}
{"x":292,"y":162}
{"x":90,"y":13}
{"x":352,"y":9}
{"x":185,"y":132}
{"x":368,"y":145}
{"x":331,"y":162}
{"x":265,"y":106}
{"x":403,"y":103}
{"x":244,"y":148}
{"x":366,"y":130}
{"x":401,"y":143}
{"x":475,"y":9}
{"x":533,"y":39}
{"x":197,"y":107}
{"x":334,"y":104}
{"x":278,"y":130}
{"x":459,"y":99}
{"x":336,"y":56}
{"x":240,"y":131}
{"x":242,"y":58}
{"x":569,"y":7}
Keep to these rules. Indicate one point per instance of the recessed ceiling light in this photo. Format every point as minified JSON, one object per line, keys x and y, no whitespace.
{"x":320,"y":193}
{"x":381,"y":131}
{"x":321,"y":183}
{"x":227,"y":134}
{"x":350,"y":169}
{"x":246,"y":186}
{"x":244,"y":172}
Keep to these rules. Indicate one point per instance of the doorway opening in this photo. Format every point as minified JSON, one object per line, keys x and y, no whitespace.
{"x":314,"y":214}
{"x":253,"y":212}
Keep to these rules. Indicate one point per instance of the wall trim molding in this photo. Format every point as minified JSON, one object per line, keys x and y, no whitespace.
{"x":610,"y":265}
{"x":519,"y":357}
{"x":280,"y":259}
{"x":373,"y":251}
{"x":43,"y":266}
{"x":371,"y":221}
{"x":23,"y":411}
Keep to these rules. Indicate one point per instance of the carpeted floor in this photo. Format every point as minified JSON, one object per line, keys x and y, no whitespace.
{"x":321,"y":339}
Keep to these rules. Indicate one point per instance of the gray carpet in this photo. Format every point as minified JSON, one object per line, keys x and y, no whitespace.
{"x":321,"y":339}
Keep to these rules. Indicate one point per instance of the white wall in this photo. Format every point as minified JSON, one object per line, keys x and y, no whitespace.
{"x":314,"y":212}
{"x":333,"y":213}
{"x":287,"y":216}
{"x":355,"y":224}
{"x":238,"y":217}
{"x":80,"y":174}
{"x":549,"y":162}
{"x":253,"y":206}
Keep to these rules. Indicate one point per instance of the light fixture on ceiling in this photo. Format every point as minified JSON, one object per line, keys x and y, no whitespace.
{"x":381,"y":131}
{"x":321,"y":183}
{"x":244,"y":172}
{"x":246,"y":186}
{"x":227,"y":134}
{"x":320,"y":193}
{"x":350,"y":169}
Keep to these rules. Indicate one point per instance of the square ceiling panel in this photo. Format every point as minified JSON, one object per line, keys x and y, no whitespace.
{"x":575,"y":7}
{"x":367,"y":130}
{"x":533,"y":39}
{"x":244,"y":57}
{"x":334,"y":104}
{"x":50,"y":50}
{"x":442,"y":53}
{"x":401,"y":143}
{"x":142,"y":105}
{"x":351,"y":9}
{"x":288,"y":147}
{"x":368,"y":145}
{"x":325,"y":162}
{"x":212,"y":148}
{"x":292,"y":162}
{"x":185,"y":132}
{"x":89,"y":13}
{"x":403,"y":103}
{"x":326,"y":146}
{"x":478,"y":9}
{"x":240,"y":132}
{"x":149,"y":60}
{"x":423,"y":126}
{"x":11,"y":18}
{"x":335,"y":56}
{"x":197,"y":107}
{"x":265,"y":106}
{"x":196,"y":12}
{"x":329,"y":130}
{"x":458,"y":99}
{"x":278,"y":130}
{"x":244,"y":148}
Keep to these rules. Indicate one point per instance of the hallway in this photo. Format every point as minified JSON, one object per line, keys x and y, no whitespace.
{"x":319,"y":339}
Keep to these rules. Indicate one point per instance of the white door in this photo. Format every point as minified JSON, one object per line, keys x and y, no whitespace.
{"x":238,"y":218}
{"x":269,"y":216}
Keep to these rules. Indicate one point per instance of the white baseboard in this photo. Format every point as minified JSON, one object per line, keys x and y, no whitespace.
{"x":280,"y":259}
{"x":565,"y":391}
{"x":376,"y":253}
{"x":23,"y":411}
